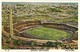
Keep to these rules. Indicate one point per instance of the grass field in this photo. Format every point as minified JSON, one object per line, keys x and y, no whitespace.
{"x":48,"y":33}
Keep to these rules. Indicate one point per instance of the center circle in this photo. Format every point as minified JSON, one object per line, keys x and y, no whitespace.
{"x":47,"y":33}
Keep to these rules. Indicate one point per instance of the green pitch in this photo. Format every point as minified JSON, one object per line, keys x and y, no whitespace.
{"x":48,"y":33}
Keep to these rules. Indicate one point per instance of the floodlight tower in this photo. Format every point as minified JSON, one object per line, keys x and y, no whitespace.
{"x":11,"y":23}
